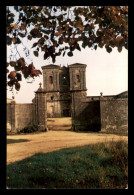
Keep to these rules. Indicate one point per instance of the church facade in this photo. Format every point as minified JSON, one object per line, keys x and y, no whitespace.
{"x":64,"y":94}
{"x":59,"y":83}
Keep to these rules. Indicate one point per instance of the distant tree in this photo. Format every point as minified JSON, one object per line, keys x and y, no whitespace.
{"x":60,"y":30}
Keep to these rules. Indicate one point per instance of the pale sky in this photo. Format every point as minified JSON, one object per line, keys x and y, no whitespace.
{"x":107,"y":73}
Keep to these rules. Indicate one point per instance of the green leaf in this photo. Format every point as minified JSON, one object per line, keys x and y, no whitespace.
{"x":21,"y":62}
{"x":64,"y":53}
{"x":41,"y":42}
{"x":21,"y":35}
{"x":18,"y":75}
{"x":34,"y":45}
{"x":70,"y":53}
{"x":13,"y":63}
{"x":17,"y":68}
{"x":126,"y":46}
{"x":109,"y":49}
{"x":46,"y":55}
{"x":36,"y":53}
{"x":17,"y":86}
{"x":72,"y":48}
{"x":9,"y":40}
{"x":10,"y":84}
{"x":53,"y":59}
{"x":95,"y":47}
{"x":29,"y":37}
{"x":89,"y":44}
{"x":83,"y":45}
{"x":11,"y":20}
{"x":120,"y":48}
{"x":85,"y":42}
{"x":26,"y":74}
{"x":98,"y":39}
{"x":18,"y":41}
{"x":16,"y":8}
{"x":112,"y":43}
{"x":78,"y":47}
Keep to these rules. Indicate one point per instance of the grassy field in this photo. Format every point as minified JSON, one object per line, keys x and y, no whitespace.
{"x":102,"y":165}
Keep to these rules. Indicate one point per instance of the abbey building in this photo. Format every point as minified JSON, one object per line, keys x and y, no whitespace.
{"x":63,"y":94}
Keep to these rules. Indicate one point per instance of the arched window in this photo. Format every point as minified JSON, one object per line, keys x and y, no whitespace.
{"x":50,"y":79}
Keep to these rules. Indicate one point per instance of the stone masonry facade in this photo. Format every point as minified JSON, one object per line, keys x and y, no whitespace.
{"x":64,"y":94}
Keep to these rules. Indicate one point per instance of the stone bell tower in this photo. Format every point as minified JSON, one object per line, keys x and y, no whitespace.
{"x":77,"y":73}
{"x":56,"y":85}
{"x":52,"y":88}
{"x":77,"y":77}
{"x":51,"y":78}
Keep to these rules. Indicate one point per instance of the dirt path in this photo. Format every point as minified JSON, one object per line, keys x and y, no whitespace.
{"x":52,"y":140}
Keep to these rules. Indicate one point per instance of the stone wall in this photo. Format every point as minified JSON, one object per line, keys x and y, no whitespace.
{"x":23,"y":115}
{"x":114,"y":114}
{"x":85,"y":114}
{"x":18,"y":116}
{"x":9,"y":119}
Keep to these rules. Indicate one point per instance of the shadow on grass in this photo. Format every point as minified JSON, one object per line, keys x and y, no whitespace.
{"x":93,"y":166}
{"x":12,"y":141}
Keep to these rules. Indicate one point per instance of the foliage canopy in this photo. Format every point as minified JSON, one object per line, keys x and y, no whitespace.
{"x":60,"y":30}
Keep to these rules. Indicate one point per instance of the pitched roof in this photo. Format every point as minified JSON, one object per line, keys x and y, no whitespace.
{"x":50,"y":66}
{"x":77,"y":65}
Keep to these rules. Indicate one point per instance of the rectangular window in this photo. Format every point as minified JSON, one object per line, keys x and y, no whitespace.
{"x":78,"y":78}
{"x":50,"y":79}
